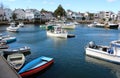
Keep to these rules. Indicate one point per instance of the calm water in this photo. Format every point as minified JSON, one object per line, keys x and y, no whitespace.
{"x":69,"y":54}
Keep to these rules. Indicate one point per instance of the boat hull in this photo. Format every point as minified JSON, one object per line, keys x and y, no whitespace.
{"x":68,"y":26}
{"x":100,"y":25}
{"x":113,"y":26}
{"x":7,"y":52}
{"x":36,"y":70}
{"x":9,"y":40}
{"x":61,"y":35}
{"x":102,"y":55}
{"x":13,"y":29}
{"x":16,"y":60}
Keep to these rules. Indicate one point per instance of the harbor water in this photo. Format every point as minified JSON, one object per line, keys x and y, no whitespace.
{"x":69,"y":56}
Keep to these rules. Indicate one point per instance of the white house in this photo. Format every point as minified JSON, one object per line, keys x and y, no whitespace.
{"x":69,"y":14}
{"x":74,"y":15}
{"x":77,"y":16}
{"x":86,"y":15}
{"x":2,"y":15}
{"x":8,"y":14}
{"x":114,"y":16}
{"x":108,"y":14}
{"x":118,"y":15}
{"x":32,"y":14}
{"x":20,"y":13}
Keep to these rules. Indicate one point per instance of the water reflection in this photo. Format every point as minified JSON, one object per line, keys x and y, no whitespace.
{"x":115,"y":68}
{"x":57,"y":41}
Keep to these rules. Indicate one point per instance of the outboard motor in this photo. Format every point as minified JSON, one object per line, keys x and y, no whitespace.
{"x":91,"y":44}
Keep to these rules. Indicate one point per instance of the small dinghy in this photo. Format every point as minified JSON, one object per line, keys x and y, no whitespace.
{"x":16,"y":60}
{"x":23,"y":50}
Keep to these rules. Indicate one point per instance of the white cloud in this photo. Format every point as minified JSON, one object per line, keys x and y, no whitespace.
{"x":111,"y":0}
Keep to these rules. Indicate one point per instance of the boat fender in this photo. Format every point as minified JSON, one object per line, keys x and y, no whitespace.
{"x":110,"y":51}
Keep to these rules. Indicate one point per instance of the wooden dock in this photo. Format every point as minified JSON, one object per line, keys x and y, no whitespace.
{"x":6,"y":71}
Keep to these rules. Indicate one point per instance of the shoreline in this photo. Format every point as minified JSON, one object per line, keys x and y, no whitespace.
{"x":25,"y":22}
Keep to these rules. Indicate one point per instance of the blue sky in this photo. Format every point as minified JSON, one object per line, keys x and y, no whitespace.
{"x":74,"y":5}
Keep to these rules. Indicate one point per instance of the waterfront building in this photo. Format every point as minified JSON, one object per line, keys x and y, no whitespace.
{"x":69,"y":14}
{"x":107,"y":15}
{"x":86,"y":15}
{"x":8,"y":14}
{"x":77,"y":16}
{"x":101,"y":14}
{"x":20,"y":14}
{"x":74,"y":15}
{"x":32,"y":14}
{"x":47,"y":15}
{"x":114,"y":16}
{"x":2,"y":15}
{"x":118,"y":15}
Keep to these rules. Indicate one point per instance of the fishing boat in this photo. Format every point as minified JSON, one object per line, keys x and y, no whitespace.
{"x":12,"y":28}
{"x":16,"y":60}
{"x":23,"y":50}
{"x":56,"y":31}
{"x":109,"y":53}
{"x":35,"y":66}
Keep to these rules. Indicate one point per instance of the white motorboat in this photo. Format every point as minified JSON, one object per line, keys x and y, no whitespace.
{"x":56,"y":31}
{"x":99,"y":25}
{"x":12,"y":28}
{"x":110,"y":53}
{"x":20,"y":24}
{"x":92,"y":24}
{"x":68,"y":25}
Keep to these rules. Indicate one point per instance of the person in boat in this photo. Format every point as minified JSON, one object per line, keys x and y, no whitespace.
{"x":110,"y":51}
{"x":92,"y":44}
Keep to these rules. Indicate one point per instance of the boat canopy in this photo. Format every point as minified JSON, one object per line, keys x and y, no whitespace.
{"x":50,"y":27}
{"x":115,"y":43}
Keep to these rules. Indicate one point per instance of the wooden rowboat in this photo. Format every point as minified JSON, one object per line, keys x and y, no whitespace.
{"x":35,"y":66}
{"x":16,"y":60}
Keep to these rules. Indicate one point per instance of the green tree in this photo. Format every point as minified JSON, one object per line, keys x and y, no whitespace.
{"x":91,"y":15}
{"x":60,"y":12}
{"x":83,"y":18}
{"x":103,"y":19}
{"x":110,"y":19}
{"x":14,"y":16}
{"x":43,"y":10}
